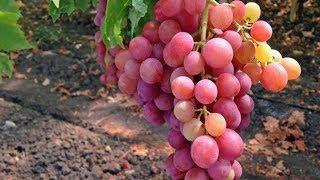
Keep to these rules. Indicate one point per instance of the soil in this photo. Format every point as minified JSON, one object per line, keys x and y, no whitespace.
{"x":68,"y":126}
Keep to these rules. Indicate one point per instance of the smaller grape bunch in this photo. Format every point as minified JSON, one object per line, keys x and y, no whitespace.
{"x":193,"y":67}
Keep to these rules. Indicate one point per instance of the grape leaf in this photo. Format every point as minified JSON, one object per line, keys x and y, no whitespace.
{"x":6,"y":67}
{"x":68,"y":7}
{"x":116,"y":14}
{"x":56,"y":3}
{"x":138,"y":10}
{"x":125,"y":19}
{"x":82,"y":4}
{"x":12,"y":38}
{"x":9,"y":6}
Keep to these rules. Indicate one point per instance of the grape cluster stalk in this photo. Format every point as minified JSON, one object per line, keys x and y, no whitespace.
{"x":193,"y":67}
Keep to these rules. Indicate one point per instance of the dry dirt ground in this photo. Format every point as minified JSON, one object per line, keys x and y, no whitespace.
{"x":68,"y":126}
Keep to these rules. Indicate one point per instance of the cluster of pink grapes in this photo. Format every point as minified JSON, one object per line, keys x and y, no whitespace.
{"x":193,"y":67}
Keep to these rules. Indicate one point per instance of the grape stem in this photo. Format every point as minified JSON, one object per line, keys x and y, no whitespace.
{"x":204,"y":23}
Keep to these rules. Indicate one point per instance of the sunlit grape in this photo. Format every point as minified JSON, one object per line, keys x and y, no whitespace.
{"x":292,"y":67}
{"x":263,"y":53}
{"x":215,"y":124}
{"x":236,"y":166}
{"x":193,"y":129}
{"x":277,"y":57}
{"x":252,"y":12}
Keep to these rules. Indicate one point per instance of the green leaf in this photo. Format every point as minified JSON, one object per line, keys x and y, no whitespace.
{"x":56,"y":3}
{"x":9,"y":6}
{"x":148,"y":16}
{"x":125,"y":19}
{"x":138,"y":10}
{"x":66,"y":6}
{"x":6,"y":67}
{"x":12,"y":38}
{"x":57,"y":7}
{"x":82,"y":4}
{"x":116,"y":14}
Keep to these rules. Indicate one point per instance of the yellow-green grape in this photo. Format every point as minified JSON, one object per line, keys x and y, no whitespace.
{"x":277,"y":57}
{"x":231,"y":175}
{"x":263,"y":53}
{"x":252,"y":12}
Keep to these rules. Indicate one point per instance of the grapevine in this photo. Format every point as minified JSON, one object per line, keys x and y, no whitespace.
{"x":193,"y":67}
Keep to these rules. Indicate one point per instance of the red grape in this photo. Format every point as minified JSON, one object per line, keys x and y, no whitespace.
{"x":152,"y":114}
{"x":196,"y":173}
{"x":229,"y":110}
{"x":168,"y":29}
{"x":233,"y":38}
{"x":221,"y":16}
{"x":217,"y":53}
{"x":194,"y":63}
{"x":204,"y":151}
{"x":126,"y":84}
{"x":182,"y":159}
{"x":140,"y":48}
{"x":238,"y":10}
{"x":176,"y":139}
{"x":219,"y":170}
{"x":274,"y":77}
{"x":227,"y":140}
{"x":182,"y":87}
{"x":194,"y":7}
{"x":205,"y":91}
{"x":244,"y":103}
{"x":150,"y":31}
{"x":228,"y":85}
{"x":151,"y":70}
{"x":164,"y":101}
{"x":261,"y":31}
{"x":171,"y":8}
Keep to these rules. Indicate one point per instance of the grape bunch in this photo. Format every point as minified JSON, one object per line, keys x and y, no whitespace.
{"x":193,"y":67}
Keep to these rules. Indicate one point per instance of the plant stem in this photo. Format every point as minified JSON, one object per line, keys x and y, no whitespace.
{"x":213,"y":2}
{"x":204,"y":22}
